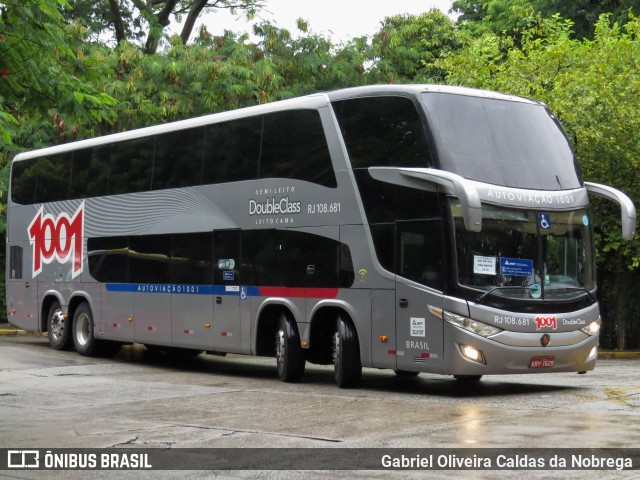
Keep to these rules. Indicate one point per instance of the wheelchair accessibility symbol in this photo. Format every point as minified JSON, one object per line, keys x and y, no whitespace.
{"x":243,"y":293}
{"x":544,"y":221}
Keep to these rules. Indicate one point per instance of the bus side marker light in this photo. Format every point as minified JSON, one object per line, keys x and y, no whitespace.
{"x":207,"y":325}
{"x":384,"y":338}
{"x":129,"y":319}
{"x":472,"y":353}
{"x":304,"y":344}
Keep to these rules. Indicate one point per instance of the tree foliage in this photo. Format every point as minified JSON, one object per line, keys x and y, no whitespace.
{"x":407,"y":47}
{"x":145,"y":21}
{"x":511,"y":16}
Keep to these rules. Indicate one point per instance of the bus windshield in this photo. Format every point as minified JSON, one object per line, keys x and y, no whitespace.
{"x":526,"y":254}
{"x":501,"y":142}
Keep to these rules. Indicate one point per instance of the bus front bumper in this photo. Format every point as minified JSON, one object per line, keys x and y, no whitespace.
{"x":470,"y":354}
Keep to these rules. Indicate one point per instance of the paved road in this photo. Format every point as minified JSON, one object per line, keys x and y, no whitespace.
{"x":52,"y":399}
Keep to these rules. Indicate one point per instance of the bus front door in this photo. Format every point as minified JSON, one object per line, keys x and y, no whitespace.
{"x":419,"y":264}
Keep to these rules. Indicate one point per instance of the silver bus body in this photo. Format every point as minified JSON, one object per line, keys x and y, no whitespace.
{"x":476,"y":260}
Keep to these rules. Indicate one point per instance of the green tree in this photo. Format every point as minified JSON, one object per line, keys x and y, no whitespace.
{"x":514,"y":15}
{"x":144,"y":21}
{"x":407,"y":46}
{"x":43,"y":88}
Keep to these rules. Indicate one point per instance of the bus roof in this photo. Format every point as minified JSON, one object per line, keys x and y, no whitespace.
{"x":312,"y":101}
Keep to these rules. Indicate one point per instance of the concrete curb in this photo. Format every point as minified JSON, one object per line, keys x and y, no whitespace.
{"x":12,"y":332}
{"x":618,"y":355}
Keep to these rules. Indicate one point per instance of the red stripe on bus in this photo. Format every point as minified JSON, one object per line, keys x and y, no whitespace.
{"x":294,"y":292}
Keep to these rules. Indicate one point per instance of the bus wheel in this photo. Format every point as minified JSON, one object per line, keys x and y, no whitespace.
{"x":58,"y":328}
{"x":83,"y":338}
{"x":289,"y":355}
{"x":468,"y":378}
{"x":346,"y":354}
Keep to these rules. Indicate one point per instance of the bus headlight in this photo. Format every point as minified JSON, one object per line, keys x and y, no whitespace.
{"x":593,"y":328}
{"x":472,"y":353}
{"x":470,"y":325}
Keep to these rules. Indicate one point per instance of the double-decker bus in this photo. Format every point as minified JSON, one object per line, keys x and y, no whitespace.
{"x":414,"y":228}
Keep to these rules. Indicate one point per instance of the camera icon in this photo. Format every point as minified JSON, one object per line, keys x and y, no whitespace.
{"x":23,"y":459}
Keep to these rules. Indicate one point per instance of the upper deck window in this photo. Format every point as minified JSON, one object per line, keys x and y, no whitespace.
{"x":383,"y":131}
{"x":289,"y":144}
{"x":501,"y":142}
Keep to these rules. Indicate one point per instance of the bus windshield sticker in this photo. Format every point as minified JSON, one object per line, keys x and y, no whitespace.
{"x":518,"y":267}
{"x":484,"y":265}
{"x":226,"y":264}
{"x":544,"y":221}
{"x":228,"y":275}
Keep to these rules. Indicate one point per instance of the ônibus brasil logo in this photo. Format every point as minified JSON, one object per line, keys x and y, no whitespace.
{"x":57,"y":239}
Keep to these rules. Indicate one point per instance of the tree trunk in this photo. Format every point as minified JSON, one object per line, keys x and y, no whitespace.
{"x":622,"y":311}
{"x":190,"y":22}
{"x":118,"y":24}
{"x":155,"y":31}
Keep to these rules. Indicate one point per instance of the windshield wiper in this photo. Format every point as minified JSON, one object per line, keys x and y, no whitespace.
{"x":572,"y":289}
{"x":481,"y":298}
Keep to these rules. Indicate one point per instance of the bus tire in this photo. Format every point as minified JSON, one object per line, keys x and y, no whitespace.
{"x":83,"y":337}
{"x":58,"y":328}
{"x":346,"y":354}
{"x":290,"y":359}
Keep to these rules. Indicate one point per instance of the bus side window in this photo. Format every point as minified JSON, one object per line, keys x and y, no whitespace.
{"x":294,"y":146}
{"x":149,"y":259}
{"x":131,"y":166}
{"x":90,"y":172}
{"x":178,"y":159}
{"x":419,"y":252}
{"x":383,"y":131}
{"x":23,"y":182}
{"x":108,"y":259}
{"x":231,"y":151}
{"x":15,"y":262}
{"x":262,"y":259}
{"x":191,"y":258}
{"x":53,"y":175}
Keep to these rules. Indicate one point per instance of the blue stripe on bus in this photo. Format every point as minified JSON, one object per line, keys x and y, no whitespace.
{"x":182,"y":289}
